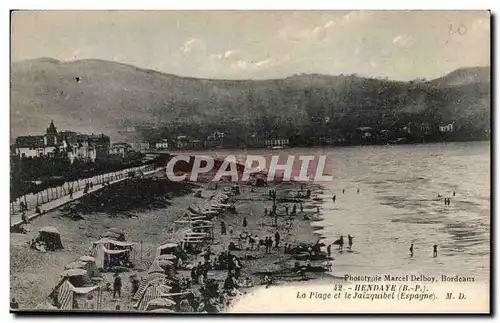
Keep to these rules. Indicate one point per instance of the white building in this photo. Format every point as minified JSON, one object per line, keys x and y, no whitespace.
{"x":162,"y":145}
{"x":278,"y":142}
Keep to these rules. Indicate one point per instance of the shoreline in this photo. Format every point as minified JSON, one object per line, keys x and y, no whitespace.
{"x":35,"y":274}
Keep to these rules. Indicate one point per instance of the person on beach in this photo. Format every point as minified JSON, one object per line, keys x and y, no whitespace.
{"x":222,"y":227}
{"x":277,"y":239}
{"x":194,"y":276}
{"x":275,"y":219}
{"x":329,"y":250}
{"x":265,"y":212}
{"x":261,"y":244}
{"x":334,"y":198}
{"x":24,"y":218}
{"x":453,"y":193}
{"x":411,"y":250}
{"x":317,"y":209}
{"x":343,"y":191}
{"x":13,"y":304}
{"x":308,"y":193}
{"x":286,"y":210}
{"x":357,"y":191}
{"x":294,"y":209}
{"x":117,"y":286}
{"x":435,"y":251}
{"x":301,"y":208}
{"x":245,"y":222}
{"x":341,"y":242}
{"x":270,"y":244}
{"x":251,"y":240}
{"x":349,"y":239}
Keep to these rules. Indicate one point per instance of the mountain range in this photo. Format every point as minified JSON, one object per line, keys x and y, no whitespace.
{"x":127,"y":102}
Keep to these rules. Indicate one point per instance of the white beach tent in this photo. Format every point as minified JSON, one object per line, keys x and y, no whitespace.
{"x":167,"y":248}
{"x":105,"y":247}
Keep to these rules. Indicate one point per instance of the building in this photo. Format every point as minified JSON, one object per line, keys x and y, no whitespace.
{"x":120,"y":148}
{"x":75,"y":145}
{"x":215,"y":140}
{"x":37,"y":146}
{"x":277,"y":142}
{"x":162,"y":144}
{"x":185,"y":143}
{"x":141,"y":146}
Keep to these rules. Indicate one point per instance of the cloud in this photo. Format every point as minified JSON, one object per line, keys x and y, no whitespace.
{"x":226,"y":55}
{"x":402,"y":40}
{"x":313,"y":33}
{"x":250,"y":65}
{"x":190,"y":45}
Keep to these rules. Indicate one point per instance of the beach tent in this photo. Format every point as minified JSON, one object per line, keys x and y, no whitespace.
{"x":105,"y":250}
{"x":113,"y":235}
{"x":68,"y":295}
{"x":155,"y":268}
{"x":51,"y":238}
{"x":167,"y":248}
{"x":75,"y":265}
{"x":90,"y":266}
{"x":77,"y":277}
{"x":145,"y":283}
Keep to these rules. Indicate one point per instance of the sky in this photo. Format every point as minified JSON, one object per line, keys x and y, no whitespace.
{"x":399,"y":45}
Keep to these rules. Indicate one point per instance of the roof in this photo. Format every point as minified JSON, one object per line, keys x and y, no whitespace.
{"x":49,"y":229}
{"x":52,"y":129}
{"x":86,"y":258}
{"x":30,"y":142}
{"x":74,"y":272}
{"x":168,"y":245}
{"x":121,"y":144}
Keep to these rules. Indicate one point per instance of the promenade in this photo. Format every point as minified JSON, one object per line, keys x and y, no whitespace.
{"x":47,"y":200}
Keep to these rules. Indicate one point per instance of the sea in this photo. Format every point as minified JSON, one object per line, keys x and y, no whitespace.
{"x":398,"y":205}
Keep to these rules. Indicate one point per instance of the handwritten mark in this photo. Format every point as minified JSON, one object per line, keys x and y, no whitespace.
{"x":459,"y":30}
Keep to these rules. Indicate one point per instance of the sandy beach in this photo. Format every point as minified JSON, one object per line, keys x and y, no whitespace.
{"x":34,"y":274}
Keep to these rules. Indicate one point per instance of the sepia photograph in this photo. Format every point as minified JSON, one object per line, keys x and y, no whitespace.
{"x":270,"y":161}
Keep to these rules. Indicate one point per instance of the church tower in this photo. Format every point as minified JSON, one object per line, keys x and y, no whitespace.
{"x":50,"y":138}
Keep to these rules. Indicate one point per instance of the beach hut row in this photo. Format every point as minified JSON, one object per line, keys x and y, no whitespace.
{"x":153,"y":294}
{"x":83,"y":277}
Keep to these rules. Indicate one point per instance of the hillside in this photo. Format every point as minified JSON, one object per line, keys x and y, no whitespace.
{"x":103,"y":96}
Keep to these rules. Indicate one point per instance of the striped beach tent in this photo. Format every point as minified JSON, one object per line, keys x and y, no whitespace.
{"x":65,"y":296}
{"x":145,"y":282}
{"x":155,"y":268}
{"x":152,"y":292}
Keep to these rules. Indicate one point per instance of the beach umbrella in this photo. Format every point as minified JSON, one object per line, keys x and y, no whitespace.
{"x":74,"y":272}
{"x":75,"y":265}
